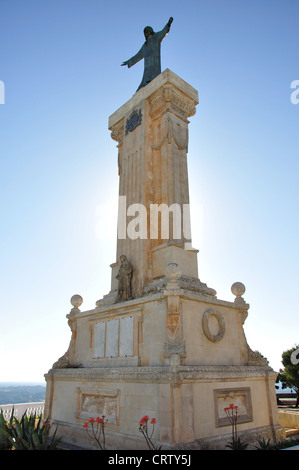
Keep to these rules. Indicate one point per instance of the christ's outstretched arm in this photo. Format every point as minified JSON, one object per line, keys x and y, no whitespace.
{"x":136,"y":58}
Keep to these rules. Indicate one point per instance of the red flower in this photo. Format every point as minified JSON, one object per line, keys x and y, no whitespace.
{"x":153,"y":421}
{"x":85,"y":425}
{"x":232,"y":407}
{"x":144,"y":419}
{"x":99,"y":420}
{"x":91,"y":420}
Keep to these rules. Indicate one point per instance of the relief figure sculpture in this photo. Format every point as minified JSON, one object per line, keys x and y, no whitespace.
{"x":124,"y":280}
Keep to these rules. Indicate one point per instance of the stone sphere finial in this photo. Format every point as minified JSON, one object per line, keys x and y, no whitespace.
{"x":76,"y":301}
{"x":172,"y":272}
{"x":238,"y":289}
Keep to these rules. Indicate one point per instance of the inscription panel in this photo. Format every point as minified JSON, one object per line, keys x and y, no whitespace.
{"x":126,"y":343}
{"x":116,"y":337}
{"x":112,"y":338}
{"x":99,"y":340}
{"x":240,"y":397}
{"x":94,"y":403}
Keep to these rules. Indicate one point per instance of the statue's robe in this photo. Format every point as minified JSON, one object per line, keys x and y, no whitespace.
{"x":151,"y":53}
{"x":124,"y":281}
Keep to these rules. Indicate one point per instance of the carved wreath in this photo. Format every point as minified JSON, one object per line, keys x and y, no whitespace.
{"x":205,"y":325}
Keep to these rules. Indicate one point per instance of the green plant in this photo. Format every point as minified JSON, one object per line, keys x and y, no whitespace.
{"x":285,"y":443}
{"x":5,"y":434}
{"x":97,"y":431}
{"x":237,"y":444}
{"x":29,"y":433}
{"x":143,"y":428}
{"x":264,"y":445}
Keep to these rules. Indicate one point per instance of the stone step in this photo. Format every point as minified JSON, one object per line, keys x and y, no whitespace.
{"x":291,"y":432}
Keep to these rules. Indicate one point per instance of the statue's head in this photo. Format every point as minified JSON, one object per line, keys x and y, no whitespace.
{"x":148,"y":31}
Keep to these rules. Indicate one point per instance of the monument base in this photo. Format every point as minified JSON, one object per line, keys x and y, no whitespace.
{"x":188,"y":404}
{"x":176,"y":355}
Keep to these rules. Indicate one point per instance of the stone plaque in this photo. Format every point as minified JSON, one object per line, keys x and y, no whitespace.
{"x":239,"y":397}
{"x":112,"y":338}
{"x":96,"y":403}
{"x":99,"y":340}
{"x":126,"y":346}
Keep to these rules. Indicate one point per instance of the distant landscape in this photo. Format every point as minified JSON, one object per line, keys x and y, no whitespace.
{"x":12,"y":393}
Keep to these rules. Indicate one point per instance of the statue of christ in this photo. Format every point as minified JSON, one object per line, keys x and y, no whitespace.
{"x":150,"y":52}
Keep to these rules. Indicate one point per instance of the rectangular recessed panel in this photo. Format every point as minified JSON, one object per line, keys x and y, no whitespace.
{"x":126,"y":337}
{"x":112,"y":338}
{"x":240,"y":397}
{"x":94,"y":403}
{"x":99,"y":340}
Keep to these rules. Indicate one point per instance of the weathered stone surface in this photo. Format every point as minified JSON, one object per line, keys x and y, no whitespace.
{"x":152,"y":160}
{"x":170,"y":349}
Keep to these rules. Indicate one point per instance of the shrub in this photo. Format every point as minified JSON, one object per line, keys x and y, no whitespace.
{"x":28,"y":433}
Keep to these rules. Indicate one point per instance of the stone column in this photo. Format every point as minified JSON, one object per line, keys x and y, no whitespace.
{"x":152,"y":134}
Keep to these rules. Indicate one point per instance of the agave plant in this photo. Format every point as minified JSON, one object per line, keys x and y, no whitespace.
{"x":237,"y":444}
{"x":264,"y":445}
{"x":5,"y":434}
{"x":30,"y":433}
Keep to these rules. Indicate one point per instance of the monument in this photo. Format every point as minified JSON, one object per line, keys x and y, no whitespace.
{"x":150,"y":52}
{"x":160,"y":343}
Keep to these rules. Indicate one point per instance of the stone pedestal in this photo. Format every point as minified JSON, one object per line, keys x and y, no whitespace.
{"x":174,"y":351}
{"x":151,"y":130}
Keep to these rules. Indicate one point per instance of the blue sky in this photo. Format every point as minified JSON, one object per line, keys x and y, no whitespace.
{"x":60,"y":64}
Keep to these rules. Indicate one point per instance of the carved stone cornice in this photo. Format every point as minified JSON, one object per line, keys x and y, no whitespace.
{"x":164,"y":374}
{"x":186,"y":283}
{"x":117,"y":131}
{"x":153,"y":374}
{"x":168,"y":98}
{"x":255,"y":358}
